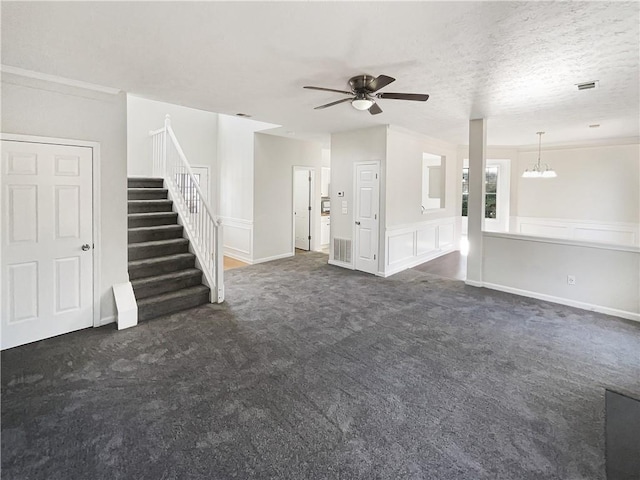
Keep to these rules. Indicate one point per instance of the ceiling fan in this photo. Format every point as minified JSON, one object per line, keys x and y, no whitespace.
{"x":363,"y":93}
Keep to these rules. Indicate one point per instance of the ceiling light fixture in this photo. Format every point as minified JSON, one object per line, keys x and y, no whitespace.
{"x":362,"y":103}
{"x":537,"y":171}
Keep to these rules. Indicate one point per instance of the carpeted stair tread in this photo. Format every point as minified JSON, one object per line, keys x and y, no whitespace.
{"x":151,"y":219}
{"x":158,"y":260}
{"x":168,"y":282}
{"x":148,"y":267}
{"x":154,"y":232}
{"x":166,"y":303}
{"x":145,"y":182}
{"x":143,"y":206}
{"x":147,"y":189}
{"x":166,"y":277}
{"x":147,"y":193}
{"x":157,"y":248}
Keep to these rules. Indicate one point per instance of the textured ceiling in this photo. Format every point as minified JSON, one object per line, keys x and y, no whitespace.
{"x":514,"y":63}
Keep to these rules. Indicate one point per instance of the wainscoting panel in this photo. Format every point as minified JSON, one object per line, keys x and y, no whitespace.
{"x":410,"y":245}
{"x":238,"y":239}
{"x":598,"y":232}
{"x":400,"y":247}
{"x":426,"y":240}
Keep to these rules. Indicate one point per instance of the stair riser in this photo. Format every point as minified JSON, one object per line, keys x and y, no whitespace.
{"x":157,"y":288}
{"x":170,"y":219}
{"x":152,"y":235}
{"x":164,"y":267}
{"x":149,"y":207}
{"x":145,"y":183}
{"x":138,"y":253}
{"x":171,"y":306}
{"x":150,"y":194}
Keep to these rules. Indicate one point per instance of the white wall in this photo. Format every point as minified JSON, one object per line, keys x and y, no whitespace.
{"x":235,"y":183}
{"x":411,"y":236}
{"x":275,"y":158}
{"x":593,"y":183}
{"x":596,"y":196}
{"x":36,"y":107}
{"x":607,"y":277}
{"x":196,"y":130}
{"x":347,"y":148}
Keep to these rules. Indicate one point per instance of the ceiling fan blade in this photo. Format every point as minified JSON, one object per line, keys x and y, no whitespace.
{"x":417,"y":97}
{"x":328,"y":90}
{"x":333,"y":103}
{"x":379,"y":82}
{"x":375,"y":109}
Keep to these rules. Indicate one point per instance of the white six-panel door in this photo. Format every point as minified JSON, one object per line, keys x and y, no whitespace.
{"x":47,"y":274}
{"x":366,"y":217}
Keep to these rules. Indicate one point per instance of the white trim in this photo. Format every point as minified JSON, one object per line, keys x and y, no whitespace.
{"x":60,"y":80}
{"x":275,"y":257}
{"x":337,"y":263}
{"x":106,"y":321}
{"x":563,"y":301}
{"x":567,"y":228}
{"x":474,"y":283}
{"x":237,"y":255}
{"x":561,"y":241}
{"x":97,"y":251}
{"x":415,"y":256}
{"x":414,"y":262}
{"x":231,"y":250}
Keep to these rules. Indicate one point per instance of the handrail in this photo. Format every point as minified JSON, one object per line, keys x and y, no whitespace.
{"x":202,"y":227}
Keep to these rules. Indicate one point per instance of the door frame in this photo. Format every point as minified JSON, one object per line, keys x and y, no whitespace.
{"x":353,"y":217}
{"x":95,"y":165}
{"x":312,"y":189}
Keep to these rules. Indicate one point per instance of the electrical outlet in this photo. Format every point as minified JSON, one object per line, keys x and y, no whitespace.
{"x":571,"y":279}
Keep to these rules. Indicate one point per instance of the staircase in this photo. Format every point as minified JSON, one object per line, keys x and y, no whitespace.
{"x":161,"y":269}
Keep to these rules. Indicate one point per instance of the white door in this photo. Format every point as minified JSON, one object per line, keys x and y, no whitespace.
{"x":47,"y":241}
{"x":366,"y":217}
{"x":302,"y":208}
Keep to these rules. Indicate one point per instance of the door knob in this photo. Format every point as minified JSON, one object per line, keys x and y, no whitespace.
{"x":357,"y":223}
{"x":86,"y":247}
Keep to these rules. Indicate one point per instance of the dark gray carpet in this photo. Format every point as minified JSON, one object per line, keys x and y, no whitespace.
{"x":623,"y":437}
{"x":310,"y":371}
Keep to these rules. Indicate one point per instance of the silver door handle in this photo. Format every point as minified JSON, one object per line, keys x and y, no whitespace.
{"x":357,"y":223}
{"x":86,"y":247}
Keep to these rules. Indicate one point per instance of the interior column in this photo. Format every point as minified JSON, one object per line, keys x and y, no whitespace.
{"x":475,"y":212}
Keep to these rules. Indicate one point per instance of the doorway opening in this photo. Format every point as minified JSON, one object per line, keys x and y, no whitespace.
{"x":303,"y":186}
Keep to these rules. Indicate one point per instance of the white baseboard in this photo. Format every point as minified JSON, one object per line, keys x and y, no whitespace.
{"x":236,"y":255}
{"x":562,"y":301}
{"x":474,"y":283}
{"x":106,"y":321}
{"x":341,"y":264}
{"x":274,"y":257}
{"x":414,"y":262}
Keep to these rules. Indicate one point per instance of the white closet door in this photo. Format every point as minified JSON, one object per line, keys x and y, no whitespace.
{"x":47,"y":241}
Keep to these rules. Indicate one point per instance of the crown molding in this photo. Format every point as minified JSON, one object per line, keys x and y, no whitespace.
{"x":21,"y":72}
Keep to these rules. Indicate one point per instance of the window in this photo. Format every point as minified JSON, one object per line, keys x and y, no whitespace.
{"x":491,"y":192}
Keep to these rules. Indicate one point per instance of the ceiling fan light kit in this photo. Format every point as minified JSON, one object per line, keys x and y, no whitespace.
{"x":361,"y":103}
{"x":538,"y":171}
{"x":363,"y":93}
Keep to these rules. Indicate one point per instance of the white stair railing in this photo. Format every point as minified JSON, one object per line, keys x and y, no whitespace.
{"x":202,"y":228}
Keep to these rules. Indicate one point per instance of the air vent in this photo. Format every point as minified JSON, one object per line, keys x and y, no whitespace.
{"x":245,"y":115}
{"x":587,"y":85}
{"x":342,"y":250}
